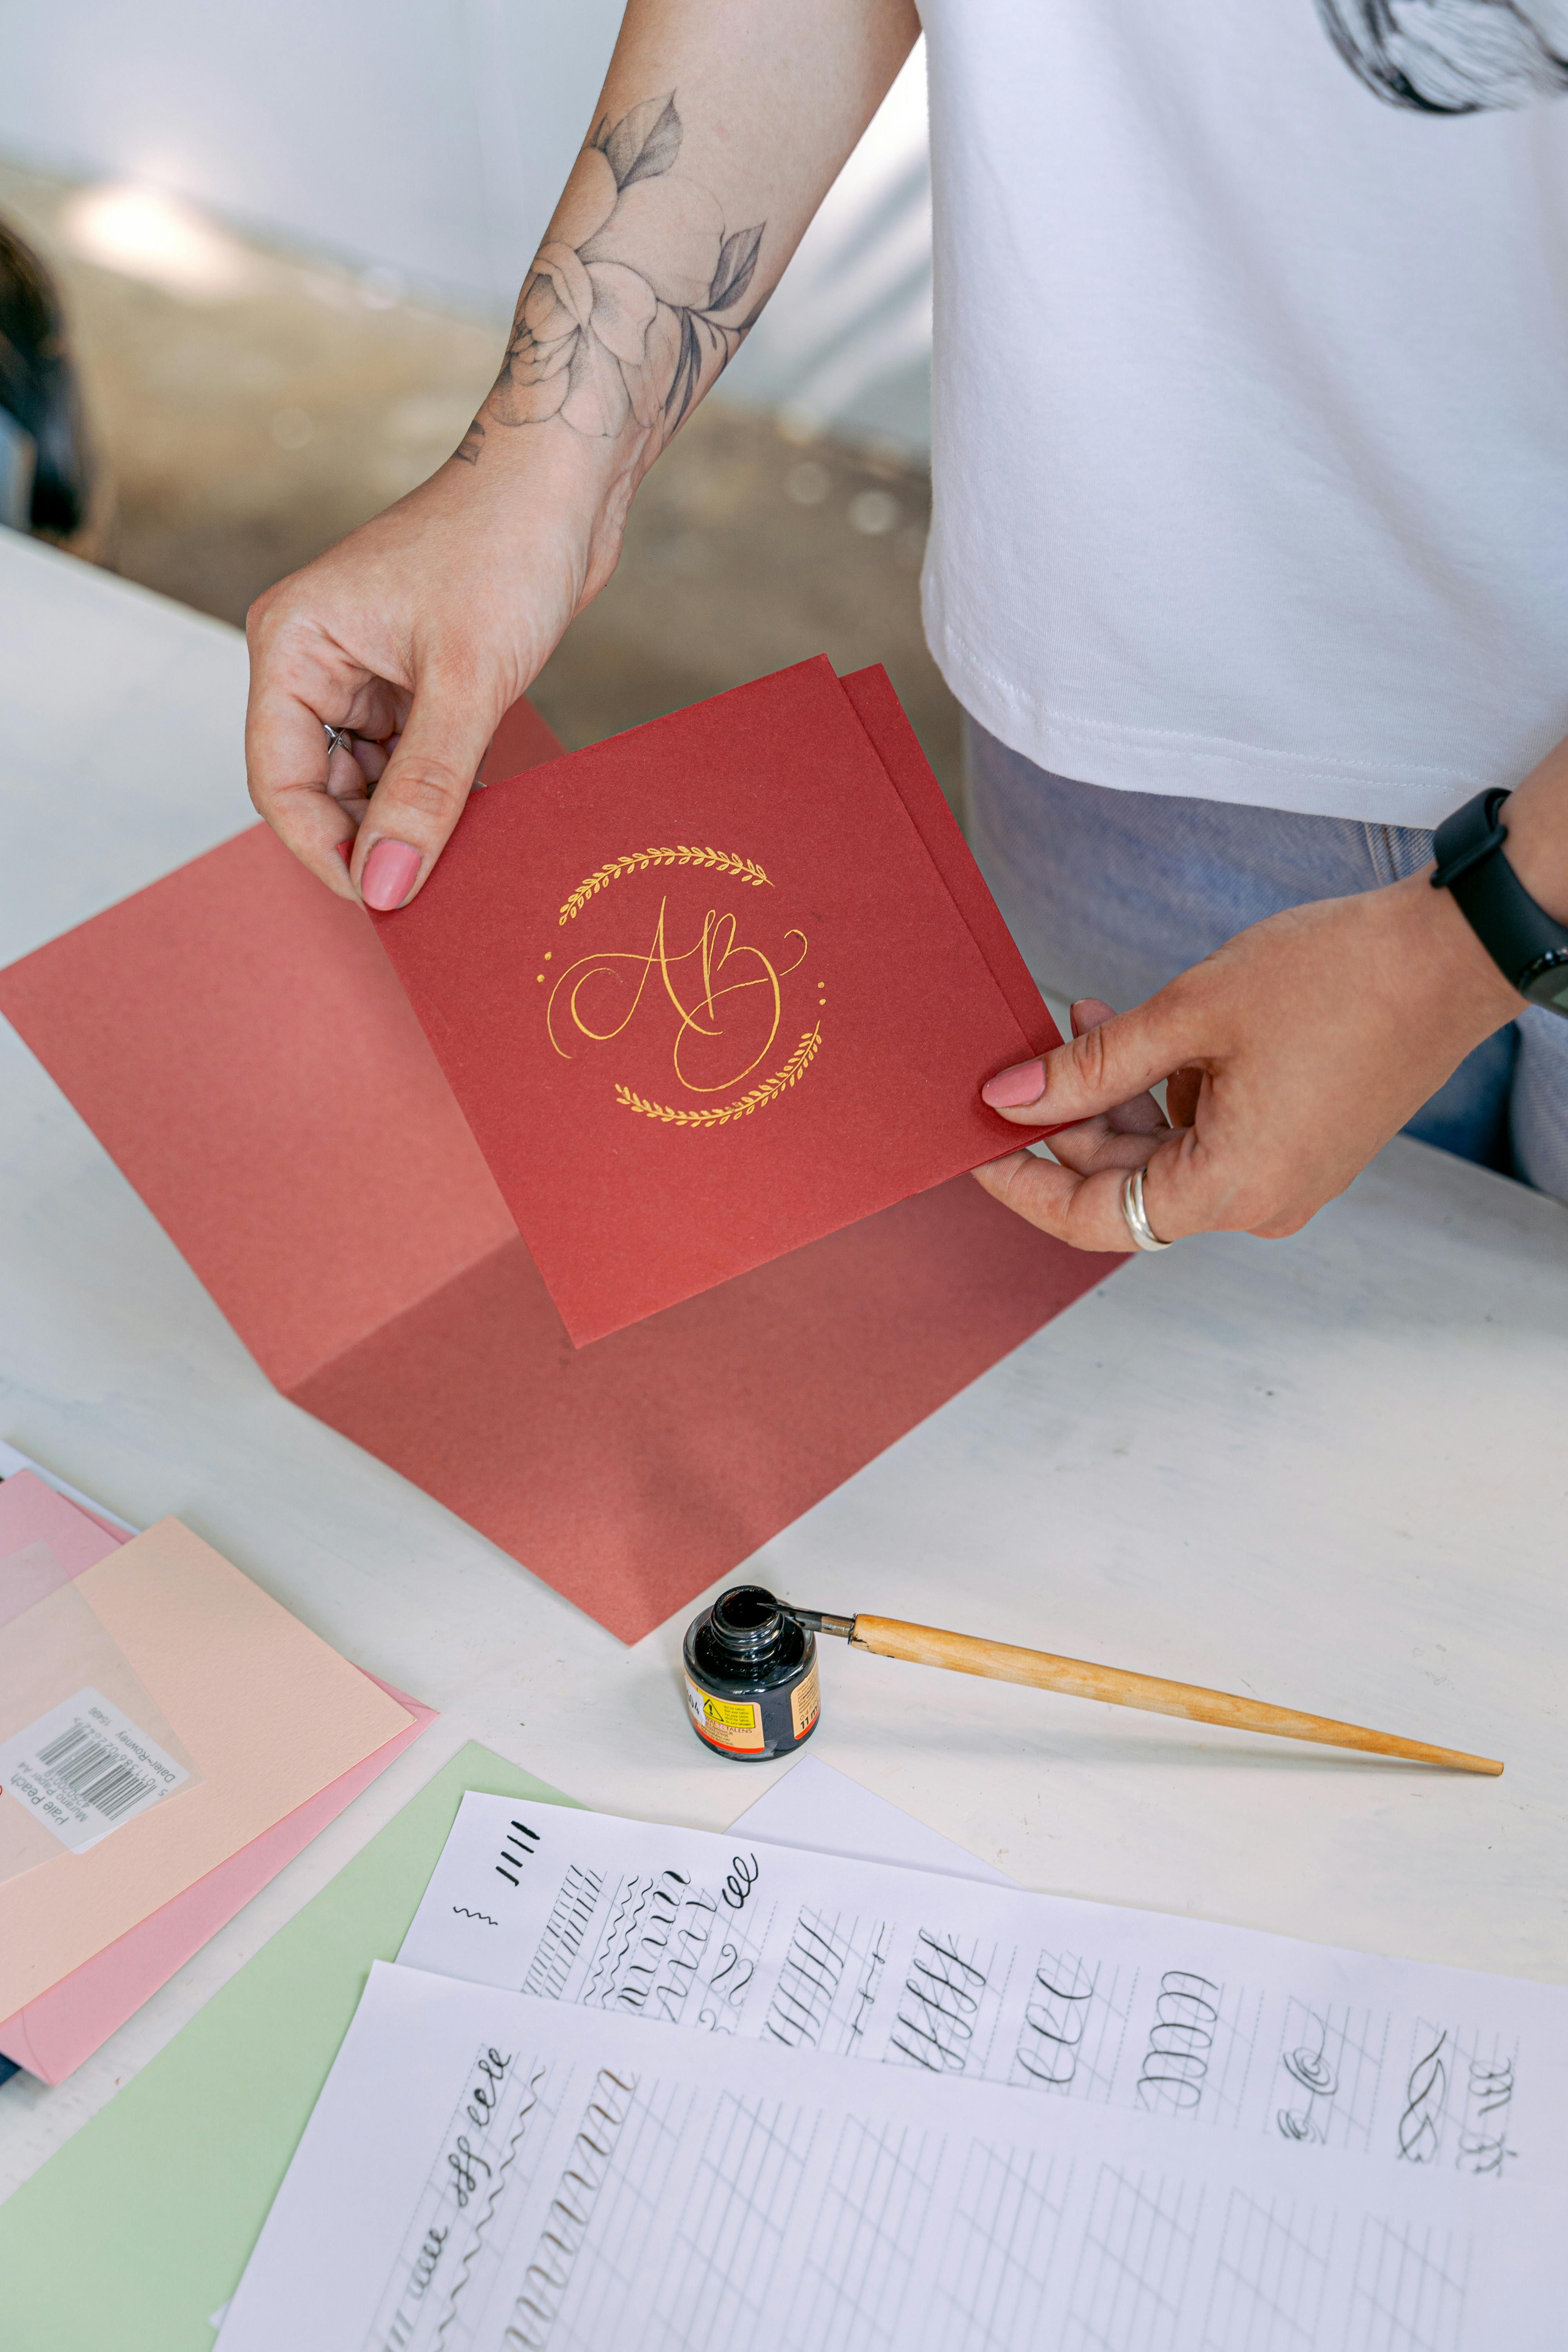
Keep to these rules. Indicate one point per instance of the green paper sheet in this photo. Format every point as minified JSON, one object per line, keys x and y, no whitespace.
{"x":138,"y":2228}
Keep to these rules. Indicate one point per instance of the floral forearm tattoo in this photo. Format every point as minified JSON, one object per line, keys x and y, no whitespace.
{"x":629,"y":311}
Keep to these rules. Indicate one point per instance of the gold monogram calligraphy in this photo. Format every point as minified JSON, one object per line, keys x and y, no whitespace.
{"x":725,"y":993}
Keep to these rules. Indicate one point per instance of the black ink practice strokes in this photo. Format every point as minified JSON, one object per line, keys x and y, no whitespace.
{"x":1483,"y":2148}
{"x":1330,"y":2060}
{"x":740,"y":1883}
{"x":808,"y":1981}
{"x":550,"y":2274}
{"x":521,"y":1842}
{"x":562,"y":1941}
{"x":1420,"y":2128}
{"x":472,"y":2173}
{"x":1176,"y":2063}
{"x":1456,"y":2108}
{"x":1075,"y":2021}
{"x":939,"y":2006}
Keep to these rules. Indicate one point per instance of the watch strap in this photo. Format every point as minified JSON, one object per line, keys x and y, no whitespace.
{"x":1516,"y":933}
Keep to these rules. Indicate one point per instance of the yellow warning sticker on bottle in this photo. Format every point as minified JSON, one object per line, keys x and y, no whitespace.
{"x":733,"y":1723}
{"x":805,"y":1703}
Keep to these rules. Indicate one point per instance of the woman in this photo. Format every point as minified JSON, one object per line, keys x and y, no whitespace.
{"x":1249,"y":555}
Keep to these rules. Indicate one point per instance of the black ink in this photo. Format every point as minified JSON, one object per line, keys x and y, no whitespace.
{"x":938,"y":2007}
{"x":1426,"y":2093}
{"x":808,"y":1981}
{"x":1056,"y":2018}
{"x":550,"y":2274}
{"x":737,"y":1888}
{"x":489,"y":2062}
{"x":644,"y":1961}
{"x":1175,"y":2064}
{"x":565,"y":1930}
{"x":521,"y":1842}
{"x":483,"y":1916}
{"x":1312,"y":2071}
{"x":485,"y":2096}
{"x":697,"y":1913}
{"x":865,"y":1991}
{"x":1484,"y":2151}
{"x":635,"y":1893}
{"x":733,"y":1983}
{"x":465,"y":2165}
{"x":424,"y":2261}
{"x":1309,"y":2066}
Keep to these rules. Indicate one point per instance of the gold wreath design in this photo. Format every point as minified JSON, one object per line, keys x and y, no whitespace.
{"x":794,"y":1070}
{"x":639,"y":861}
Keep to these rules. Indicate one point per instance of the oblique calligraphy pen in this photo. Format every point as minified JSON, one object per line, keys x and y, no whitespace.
{"x":752,"y":1690}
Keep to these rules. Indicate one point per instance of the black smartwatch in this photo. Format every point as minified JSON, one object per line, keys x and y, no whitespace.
{"x":1527,"y":946}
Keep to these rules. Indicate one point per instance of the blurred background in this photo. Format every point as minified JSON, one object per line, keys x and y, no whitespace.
{"x":284,"y":244}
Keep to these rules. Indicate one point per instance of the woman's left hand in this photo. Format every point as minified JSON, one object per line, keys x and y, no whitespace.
{"x":1292,"y":1054}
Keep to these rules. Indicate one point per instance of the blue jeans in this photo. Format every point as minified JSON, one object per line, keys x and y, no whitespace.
{"x":1110,"y":894}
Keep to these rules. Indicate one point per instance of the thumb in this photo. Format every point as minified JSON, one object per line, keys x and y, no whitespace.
{"x":1108,"y":1064}
{"x":422,"y":792}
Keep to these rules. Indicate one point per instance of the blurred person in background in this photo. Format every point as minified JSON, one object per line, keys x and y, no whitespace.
{"x":1249,"y":559}
{"x":49,"y":482}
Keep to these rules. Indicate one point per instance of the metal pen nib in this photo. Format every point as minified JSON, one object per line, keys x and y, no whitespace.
{"x":819,"y":1622}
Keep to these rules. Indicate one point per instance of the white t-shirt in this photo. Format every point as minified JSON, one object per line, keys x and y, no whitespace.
{"x":1251,"y":393}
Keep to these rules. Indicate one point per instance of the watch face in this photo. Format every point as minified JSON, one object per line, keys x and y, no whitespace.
{"x":1546,"y":982}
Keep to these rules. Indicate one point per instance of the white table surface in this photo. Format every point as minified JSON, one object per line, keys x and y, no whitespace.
{"x":1331,"y":1472}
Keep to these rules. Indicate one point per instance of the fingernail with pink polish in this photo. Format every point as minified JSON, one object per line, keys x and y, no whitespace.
{"x":389,"y":874}
{"x":1011,"y":1090}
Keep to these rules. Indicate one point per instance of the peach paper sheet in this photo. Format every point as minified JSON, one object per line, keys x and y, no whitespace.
{"x":270,"y":1712}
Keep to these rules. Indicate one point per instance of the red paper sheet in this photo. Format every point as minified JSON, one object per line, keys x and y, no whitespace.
{"x":703,"y":996}
{"x":235,"y":1038}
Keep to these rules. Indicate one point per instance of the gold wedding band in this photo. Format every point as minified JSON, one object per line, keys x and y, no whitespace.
{"x":1144,"y":1237}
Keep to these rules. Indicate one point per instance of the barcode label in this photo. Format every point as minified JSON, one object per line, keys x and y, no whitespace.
{"x":85,"y":1769}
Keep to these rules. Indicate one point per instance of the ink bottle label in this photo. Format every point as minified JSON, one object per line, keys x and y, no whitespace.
{"x":732,"y":1723}
{"x":805,"y":1703}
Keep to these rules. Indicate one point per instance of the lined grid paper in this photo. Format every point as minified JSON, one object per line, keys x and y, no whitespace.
{"x":1131,"y":2274}
{"x":996,"y":2264}
{"x":1270,"y":2277}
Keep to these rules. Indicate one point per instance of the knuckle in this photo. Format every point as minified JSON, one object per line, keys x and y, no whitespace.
{"x":1091,"y":1055}
{"x":259,"y":611}
{"x":426,"y":790}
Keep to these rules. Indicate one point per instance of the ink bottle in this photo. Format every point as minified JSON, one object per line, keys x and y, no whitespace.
{"x":751,"y":1676}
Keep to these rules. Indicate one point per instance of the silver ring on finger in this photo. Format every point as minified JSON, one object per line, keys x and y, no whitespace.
{"x":339,"y":740}
{"x":1144,"y":1237}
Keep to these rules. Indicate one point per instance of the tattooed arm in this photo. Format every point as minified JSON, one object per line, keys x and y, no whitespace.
{"x":722,"y":125}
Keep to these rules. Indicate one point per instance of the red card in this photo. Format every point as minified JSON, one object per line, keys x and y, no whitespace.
{"x":235,"y":1038}
{"x":703,"y":995}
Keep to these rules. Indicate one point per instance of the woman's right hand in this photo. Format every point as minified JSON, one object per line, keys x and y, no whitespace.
{"x":414,"y":634}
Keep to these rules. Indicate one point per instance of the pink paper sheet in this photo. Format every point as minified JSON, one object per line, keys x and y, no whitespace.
{"x":52,"y":2035}
{"x":31,"y":1515}
{"x":272,"y":1714}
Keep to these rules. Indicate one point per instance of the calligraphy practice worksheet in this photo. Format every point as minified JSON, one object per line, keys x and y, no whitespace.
{"x":1417,"y":2075}
{"x":485,"y":2170}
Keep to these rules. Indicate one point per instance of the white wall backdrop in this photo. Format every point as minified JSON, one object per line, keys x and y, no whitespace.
{"x":432,"y":137}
